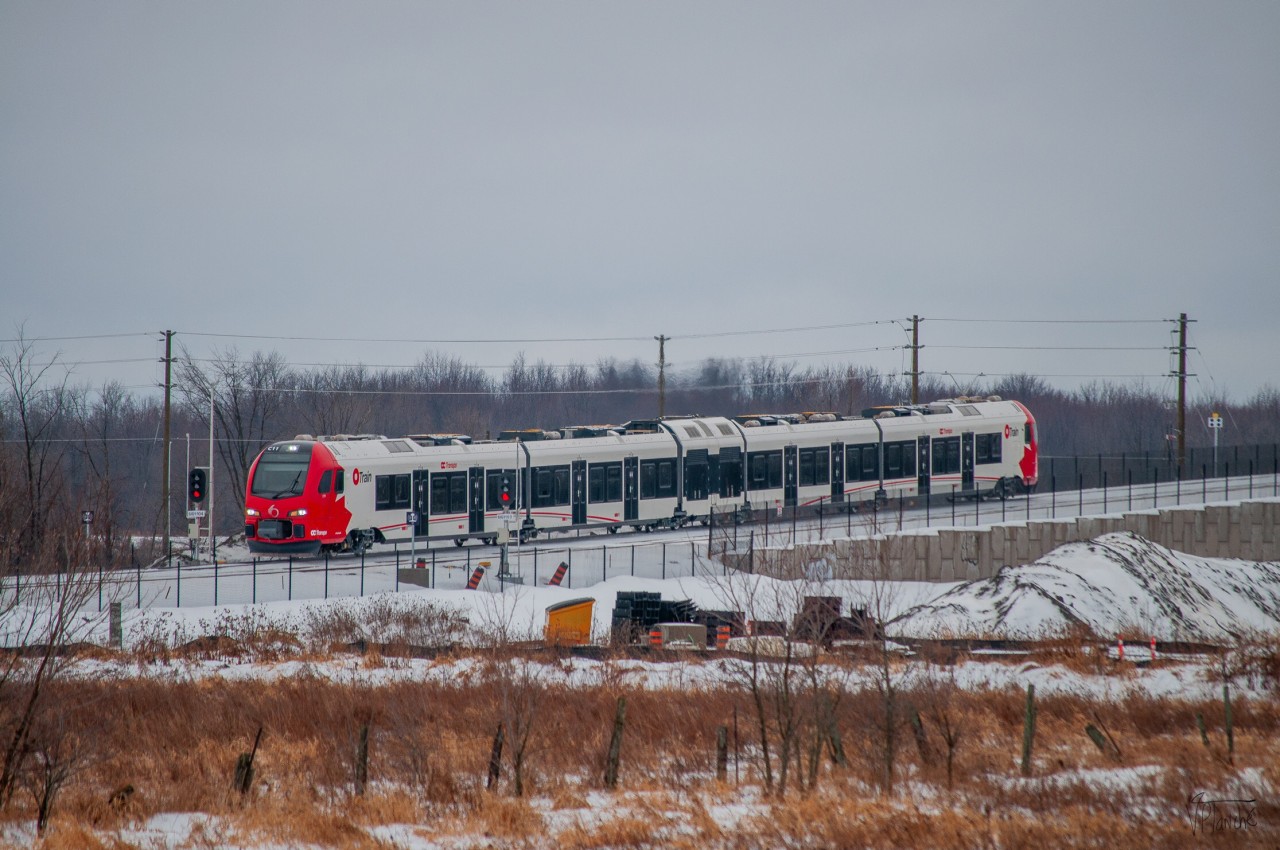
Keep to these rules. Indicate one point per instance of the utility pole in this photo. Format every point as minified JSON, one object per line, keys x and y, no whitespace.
{"x":915,"y":359}
{"x":168,"y":391}
{"x":1180,"y":428}
{"x":662,"y":375}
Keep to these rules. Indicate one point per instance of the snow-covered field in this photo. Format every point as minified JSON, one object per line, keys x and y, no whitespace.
{"x":1116,"y":584}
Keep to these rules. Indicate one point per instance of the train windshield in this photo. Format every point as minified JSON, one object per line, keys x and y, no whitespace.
{"x":282,"y":471}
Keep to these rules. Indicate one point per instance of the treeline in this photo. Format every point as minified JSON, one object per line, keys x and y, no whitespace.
{"x":67,"y":448}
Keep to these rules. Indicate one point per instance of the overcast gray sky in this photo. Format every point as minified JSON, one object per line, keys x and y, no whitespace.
{"x":536,"y":170}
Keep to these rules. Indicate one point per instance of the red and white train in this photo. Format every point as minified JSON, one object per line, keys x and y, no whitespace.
{"x":346,"y":493}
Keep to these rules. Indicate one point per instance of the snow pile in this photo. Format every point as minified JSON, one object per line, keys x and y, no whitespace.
{"x":1117,"y":584}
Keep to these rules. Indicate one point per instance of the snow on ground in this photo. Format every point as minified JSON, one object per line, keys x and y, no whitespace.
{"x":1116,"y":584}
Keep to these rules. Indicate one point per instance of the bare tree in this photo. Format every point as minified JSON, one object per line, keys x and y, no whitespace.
{"x":516,"y":679}
{"x":37,"y":398}
{"x":247,"y":397}
{"x":336,"y":400}
{"x":785,"y":672}
{"x":56,"y":753}
{"x":44,"y":614}
{"x":101,"y":424}
{"x":871,"y":564}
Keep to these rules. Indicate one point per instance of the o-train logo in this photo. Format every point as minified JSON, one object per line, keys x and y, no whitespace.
{"x":355,"y":477}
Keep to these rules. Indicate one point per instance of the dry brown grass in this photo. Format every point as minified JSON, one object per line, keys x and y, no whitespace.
{"x":174,"y":741}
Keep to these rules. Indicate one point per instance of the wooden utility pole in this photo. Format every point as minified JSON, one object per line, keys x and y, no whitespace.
{"x":662,"y":374}
{"x":915,"y":359}
{"x":1180,"y":427}
{"x":168,"y":391}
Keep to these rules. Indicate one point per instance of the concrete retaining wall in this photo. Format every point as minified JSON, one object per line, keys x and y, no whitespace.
{"x":1245,"y":530}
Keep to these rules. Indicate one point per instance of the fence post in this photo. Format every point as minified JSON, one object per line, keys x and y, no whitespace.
{"x":255,"y":582}
{"x":1053,"y":497}
{"x":1226,"y":481}
{"x":1080,"y":493}
{"x":326,"y":575}
{"x":177,"y":597}
{"x":604,"y":564}
{"x":1155,"y":487}
{"x":1130,"y":474}
{"x":290,"y":592}
{"x":569,"y":573}
{"x":1104,"y":492}
{"x":664,"y":560}
{"x":215,"y":582}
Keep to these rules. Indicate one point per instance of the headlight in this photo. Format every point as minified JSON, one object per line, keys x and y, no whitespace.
{"x":298,"y":512}
{"x":251,"y":512}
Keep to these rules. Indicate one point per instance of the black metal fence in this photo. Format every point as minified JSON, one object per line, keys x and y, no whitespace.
{"x":1105,"y":470}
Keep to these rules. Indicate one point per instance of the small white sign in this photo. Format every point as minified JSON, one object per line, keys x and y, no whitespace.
{"x":196,"y":514}
{"x":1215,"y":420}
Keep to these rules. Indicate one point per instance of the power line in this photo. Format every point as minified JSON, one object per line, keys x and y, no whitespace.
{"x":1051,"y":321}
{"x":1054,"y":347}
{"x":66,"y":338}
{"x":1043,"y":375}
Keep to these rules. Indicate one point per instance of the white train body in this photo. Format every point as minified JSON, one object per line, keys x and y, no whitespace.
{"x":349,"y":493}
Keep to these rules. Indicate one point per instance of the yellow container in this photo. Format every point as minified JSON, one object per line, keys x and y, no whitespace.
{"x":569,"y":623}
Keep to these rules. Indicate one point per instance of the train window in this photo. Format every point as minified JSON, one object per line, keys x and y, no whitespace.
{"x":658,"y":479}
{"x":987,"y":447}
{"x":604,"y":482}
{"x":281,"y":473}
{"x":341,"y":482}
{"x":458,"y":493}
{"x":946,"y":455}
{"x":862,"y":462}
{"x":550,"y":486}
{"x":764,"y":470}
{"x":326,"y":481}
{"x":391,"y":492}
{"x":448,"y":493}
{"x":900,"y":459}
{"x":815,"y":466}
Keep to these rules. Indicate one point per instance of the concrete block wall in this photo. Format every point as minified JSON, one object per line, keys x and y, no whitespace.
{"x":1246,"y":530}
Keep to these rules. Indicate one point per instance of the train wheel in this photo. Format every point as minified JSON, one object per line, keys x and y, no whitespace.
{"x":459,"y":541}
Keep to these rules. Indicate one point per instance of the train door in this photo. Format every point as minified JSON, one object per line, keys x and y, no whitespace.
{"x":630,"y":488}
{"x":790,"y":480}
{"x":696,"y":475}
{"x":730,"y":460}
{"x":966,"y":461}
{"x":837,"y":472}
{"x":420,"y":504}
{"x":578,"y":492}
{"x":475,"y":481}
{"x":922,"y":464}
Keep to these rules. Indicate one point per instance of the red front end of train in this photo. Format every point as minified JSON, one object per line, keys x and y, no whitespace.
{"x":296,"y":502}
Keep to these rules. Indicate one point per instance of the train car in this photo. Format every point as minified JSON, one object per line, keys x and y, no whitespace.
{"x":347,"y":493}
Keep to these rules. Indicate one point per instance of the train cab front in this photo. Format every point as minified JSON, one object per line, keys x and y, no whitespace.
{"x":293,"y":495}
{"x":1029,"y":465}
